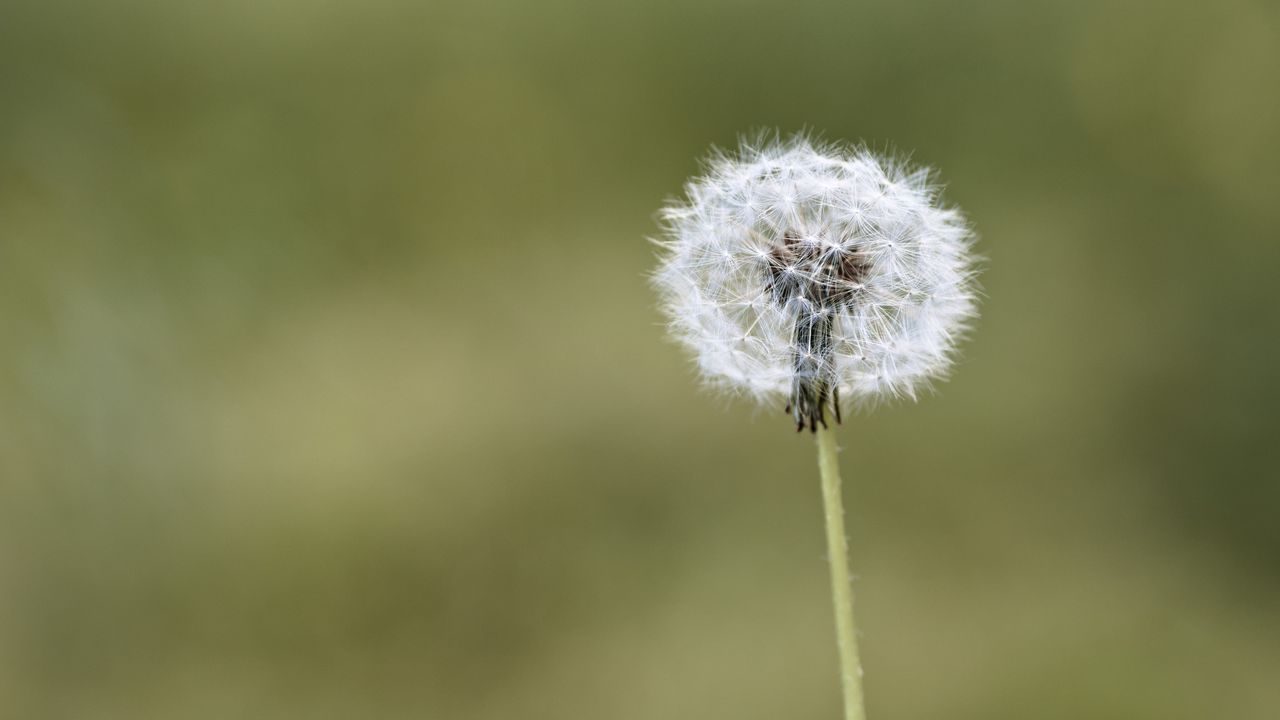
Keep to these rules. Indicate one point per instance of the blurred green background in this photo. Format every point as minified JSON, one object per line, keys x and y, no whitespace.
{"x":331,"y":385}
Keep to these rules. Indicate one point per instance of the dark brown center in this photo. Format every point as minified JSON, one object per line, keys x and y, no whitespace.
{"x":814,"y":280}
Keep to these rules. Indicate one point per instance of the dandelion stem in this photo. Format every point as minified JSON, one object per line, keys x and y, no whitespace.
{"x":841,"y":589}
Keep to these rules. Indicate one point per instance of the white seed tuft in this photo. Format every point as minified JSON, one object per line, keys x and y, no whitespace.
{"x":816,"y":273}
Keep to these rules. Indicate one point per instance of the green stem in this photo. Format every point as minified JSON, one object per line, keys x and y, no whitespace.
{"x":841,"y":589}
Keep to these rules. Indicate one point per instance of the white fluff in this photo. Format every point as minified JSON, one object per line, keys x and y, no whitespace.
{"x":787,"y":232}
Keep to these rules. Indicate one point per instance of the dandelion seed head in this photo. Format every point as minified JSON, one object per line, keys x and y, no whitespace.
{"x":816,"y":274}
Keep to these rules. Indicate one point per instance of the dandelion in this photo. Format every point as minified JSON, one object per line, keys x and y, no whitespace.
{"x":817,"y":277}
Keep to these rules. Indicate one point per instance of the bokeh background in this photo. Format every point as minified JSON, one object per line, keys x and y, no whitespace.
{"x":331,"y":385}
